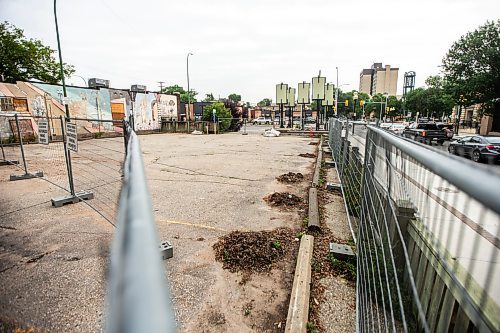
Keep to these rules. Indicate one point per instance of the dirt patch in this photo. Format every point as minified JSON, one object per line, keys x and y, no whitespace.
{"x":216,"y":318}
{"x":10,"y":325}
{"x":254,"y":251}
{"x":290,"y":177}
{"x":283,"y":199}
{"x":308,"y":155}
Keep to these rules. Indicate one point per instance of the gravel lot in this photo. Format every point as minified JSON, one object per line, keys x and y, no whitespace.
{"x":52,"y":261}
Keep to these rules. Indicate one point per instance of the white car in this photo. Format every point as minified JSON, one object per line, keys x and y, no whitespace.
{"x":397,"y":128}
{"x":261,"y":121}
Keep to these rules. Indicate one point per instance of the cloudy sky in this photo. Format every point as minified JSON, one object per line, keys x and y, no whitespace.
{"x":247,"y":46}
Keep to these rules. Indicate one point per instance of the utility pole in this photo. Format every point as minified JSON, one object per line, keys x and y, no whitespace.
{"x":161,"y":85}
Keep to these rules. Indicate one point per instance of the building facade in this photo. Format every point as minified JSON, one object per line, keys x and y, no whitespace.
{"x":379,"y":79}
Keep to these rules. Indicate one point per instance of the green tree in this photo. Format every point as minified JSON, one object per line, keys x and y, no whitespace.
{"x":472,"y":68}
{"x":223,"y":115}
{"x":209,"y":97}
{"x":176,"y":89}
{"x":234,"y":97}
{"x":27,"y":59}
{"x":429,"y":102}
{"x":265,"y":102}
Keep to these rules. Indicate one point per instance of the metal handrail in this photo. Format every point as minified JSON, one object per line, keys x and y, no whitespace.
{"x":138,"y":294}
{"x":457,"y":172}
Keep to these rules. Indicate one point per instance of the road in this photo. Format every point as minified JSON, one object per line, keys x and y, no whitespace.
{"x":360,"y":131}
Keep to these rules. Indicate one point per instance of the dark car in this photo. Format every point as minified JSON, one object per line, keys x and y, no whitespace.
{"x":477,"y":147}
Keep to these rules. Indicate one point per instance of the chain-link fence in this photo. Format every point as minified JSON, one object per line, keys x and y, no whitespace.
{"x":427,"y":236}
{"x":81,"y":158}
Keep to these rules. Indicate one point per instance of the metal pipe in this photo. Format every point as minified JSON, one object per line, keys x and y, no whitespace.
{"x":21,"y":144}
{"x":188,"y":115}
{"x":67,"y":156}
{"x":138,"y":294}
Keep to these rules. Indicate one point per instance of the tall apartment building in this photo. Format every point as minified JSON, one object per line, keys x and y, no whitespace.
{"x":379,"y":79}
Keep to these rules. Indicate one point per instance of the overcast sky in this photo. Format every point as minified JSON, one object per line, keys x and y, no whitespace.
{"x":246,"y":47}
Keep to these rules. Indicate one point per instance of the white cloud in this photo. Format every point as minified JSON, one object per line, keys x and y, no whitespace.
{"x":248,"y":46}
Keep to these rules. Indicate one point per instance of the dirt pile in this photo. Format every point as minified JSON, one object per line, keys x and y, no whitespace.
{"x":254,"y":251}
{"x":283,"y":199}
{"x":290,"y":177}
{"x":308,"y":155}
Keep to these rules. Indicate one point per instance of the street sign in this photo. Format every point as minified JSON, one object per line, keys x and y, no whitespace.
{"x":43,"y":132}
{"x":282,"y":93}
{"x":71,"y":138}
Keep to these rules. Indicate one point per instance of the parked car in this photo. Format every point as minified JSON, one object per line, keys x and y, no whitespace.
{"x":310,"y":120}
{"x":385,"y":125}
{"x":425,"y":132}
{"x":261,"y":121}
{"x":397,"y":129}
{"x":477,"y":147}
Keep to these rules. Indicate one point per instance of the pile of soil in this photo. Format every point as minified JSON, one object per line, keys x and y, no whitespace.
{"x":283,"y":199}
{"x":290,"y":177}
{"x":308,"y":155}
{"x":254,"y":251}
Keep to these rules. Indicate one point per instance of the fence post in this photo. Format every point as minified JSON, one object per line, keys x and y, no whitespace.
{"x":125,"y":136}
{"x":26,"y":174}
{"x":73,"y":197}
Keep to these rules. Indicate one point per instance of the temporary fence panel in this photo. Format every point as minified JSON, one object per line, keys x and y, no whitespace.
{"x":427,"y":241}
{"x":97,"y":165}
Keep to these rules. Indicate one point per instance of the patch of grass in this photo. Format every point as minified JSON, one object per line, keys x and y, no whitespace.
{"x":311,"y":328}
{"x":300,"y":234}
{"x":305,"y":222}
{"x":345,"y":268}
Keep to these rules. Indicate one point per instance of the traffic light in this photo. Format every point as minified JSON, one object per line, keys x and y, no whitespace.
{"x":346,"y":102}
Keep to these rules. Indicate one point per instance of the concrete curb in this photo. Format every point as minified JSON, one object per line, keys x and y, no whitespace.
{"x":313,"y":220}
{"x":298,"y":310}
{"x":319,"y":158}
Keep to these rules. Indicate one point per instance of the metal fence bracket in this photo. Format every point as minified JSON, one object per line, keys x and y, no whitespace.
{"x":330,"y":163}
{"x":38,"y":174}
{"x":334,"y":187}
{"x":71,"y":199}
{"x":166,"y":250}
{"x":9,"y":162}
{"x":341,"y":251}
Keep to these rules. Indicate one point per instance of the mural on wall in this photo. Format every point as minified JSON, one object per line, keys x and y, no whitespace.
{"x":83,"y":102}
{"x":144,"y":117}
{"x":108,"y":104}
{"x":167,"y":106}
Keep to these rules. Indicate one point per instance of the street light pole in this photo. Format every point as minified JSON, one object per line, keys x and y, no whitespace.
{"x":61,"y":70}
{"x":384,"y":105}
{"x":336,"y":91}
{"x":81,"y":77}
{"x":189,"y":92}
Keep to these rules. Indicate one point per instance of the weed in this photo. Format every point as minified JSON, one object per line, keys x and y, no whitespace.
{"x":277,"y":245}
{"x":346,"y":268}
{"x":311,"y":328}
{"x":300,"y":234}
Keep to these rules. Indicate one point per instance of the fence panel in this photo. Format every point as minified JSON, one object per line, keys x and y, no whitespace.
{"x":428,"y":236}
{"x":9,"y":143}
